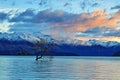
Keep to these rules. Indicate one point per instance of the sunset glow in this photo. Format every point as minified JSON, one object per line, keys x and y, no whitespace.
{"x":75,"y":19}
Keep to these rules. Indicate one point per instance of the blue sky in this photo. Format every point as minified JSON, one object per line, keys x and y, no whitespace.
{"x":76,"y":19}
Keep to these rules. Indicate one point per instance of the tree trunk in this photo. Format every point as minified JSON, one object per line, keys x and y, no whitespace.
{"x":37,"y":57}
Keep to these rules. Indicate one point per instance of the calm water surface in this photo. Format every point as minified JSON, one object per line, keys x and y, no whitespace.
{"x":59,"y":68}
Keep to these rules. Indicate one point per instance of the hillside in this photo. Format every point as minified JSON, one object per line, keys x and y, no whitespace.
{"x":16,"y":44}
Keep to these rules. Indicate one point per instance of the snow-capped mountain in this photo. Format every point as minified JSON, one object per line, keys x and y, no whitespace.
{"x":33,"y":37}
{"x":14,"y":43}
{"x":102,"y":43}
{"x":93,"y":42}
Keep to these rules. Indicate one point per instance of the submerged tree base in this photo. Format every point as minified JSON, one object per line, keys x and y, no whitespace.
{"x":38,"y":57}
{"x":48,"y":58}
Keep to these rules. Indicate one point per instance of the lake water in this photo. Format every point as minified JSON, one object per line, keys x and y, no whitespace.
{"x":59,"y":68}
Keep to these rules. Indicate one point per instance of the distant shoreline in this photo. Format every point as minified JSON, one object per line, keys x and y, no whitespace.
{"x":61,"y":55}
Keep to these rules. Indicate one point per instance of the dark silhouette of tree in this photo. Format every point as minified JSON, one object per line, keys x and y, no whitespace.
{"x":42,"y":47}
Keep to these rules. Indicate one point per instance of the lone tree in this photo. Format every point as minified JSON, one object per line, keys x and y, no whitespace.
{"x":42,"y":47}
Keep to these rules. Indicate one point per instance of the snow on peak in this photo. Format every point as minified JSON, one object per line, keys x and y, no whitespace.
{"x":33,"y":37}
{"x":89,"y":42}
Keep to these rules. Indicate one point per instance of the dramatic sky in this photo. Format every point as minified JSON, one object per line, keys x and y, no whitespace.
{"x":75,"y":19}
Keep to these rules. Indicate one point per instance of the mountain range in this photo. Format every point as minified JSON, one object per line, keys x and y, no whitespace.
{"x":16,"y":43}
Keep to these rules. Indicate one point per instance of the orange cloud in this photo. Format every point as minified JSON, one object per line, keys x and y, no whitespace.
{"x":98,"y":18}
{"x":86,"y":21}
{"x":105,"y":39}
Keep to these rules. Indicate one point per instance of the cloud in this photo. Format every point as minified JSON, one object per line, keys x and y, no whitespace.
{"x":95,"y":4}
{"x":59,"y":22}
{"x":47,"y":16}
{"x":116,"y":7}
{"x":61,"y":18}
{"x":88,"y":22}
{"x":43,"y":2}
{"x":4,"y":27}
{"x":7,"y":10}
{"x":24,"y":28}
{"x":99,"y":32}
{"x":8,"y":13}
{"x":114,"y":33}
{"x":85,"y":21}
{"x":53,"y":17}
{"x":87,"y":5}
{"x":3,"y":16}
{"x":25,"y":16}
